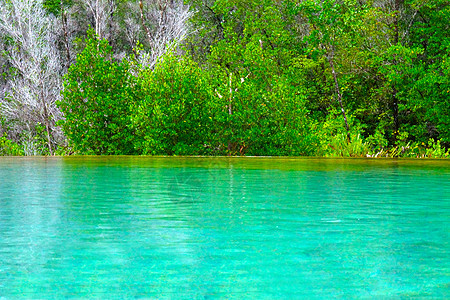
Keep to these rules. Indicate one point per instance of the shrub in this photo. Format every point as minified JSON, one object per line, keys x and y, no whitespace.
{"x":333,"y":137}
{"x":97,"y":98}
{"x":9,"y":148}
{"x":174,"y":116}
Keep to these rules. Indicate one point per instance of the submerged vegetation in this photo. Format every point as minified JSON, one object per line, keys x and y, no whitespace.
{"x":339,"y":78}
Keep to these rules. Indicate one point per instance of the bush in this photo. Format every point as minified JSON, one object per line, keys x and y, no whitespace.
{"x":174,"y":116}
{"x":333,"y":137}
{"x":264,"y":121}
{"x":97,"y":98}
{"x":9,"y":148}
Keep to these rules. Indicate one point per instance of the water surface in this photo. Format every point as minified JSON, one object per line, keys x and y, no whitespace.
{"x":208,"y":228}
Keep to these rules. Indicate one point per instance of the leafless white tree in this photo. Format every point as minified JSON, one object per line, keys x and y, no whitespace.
{"x":101,"y":12}
{"x":133,"y":25}
{"x":30,"y":96}
{"x":165,"y":23}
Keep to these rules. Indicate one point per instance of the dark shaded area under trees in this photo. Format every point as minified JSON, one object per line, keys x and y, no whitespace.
{"x":225,"y":77}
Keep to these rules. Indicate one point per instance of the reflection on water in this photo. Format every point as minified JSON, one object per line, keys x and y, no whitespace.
{"x":220,"y":227}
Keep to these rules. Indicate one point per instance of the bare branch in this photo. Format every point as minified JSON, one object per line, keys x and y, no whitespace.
{"x":101,"y":11}
{"x":32,"y":92}
{"x":167,"y":27}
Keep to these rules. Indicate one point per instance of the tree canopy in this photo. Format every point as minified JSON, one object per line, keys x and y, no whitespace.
{"x":226,"y":77}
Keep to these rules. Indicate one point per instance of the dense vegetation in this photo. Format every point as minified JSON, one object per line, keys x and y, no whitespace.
{"x":225,"y":77}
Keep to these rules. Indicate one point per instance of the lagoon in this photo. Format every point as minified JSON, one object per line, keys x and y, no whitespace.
{"x":209,"y":228}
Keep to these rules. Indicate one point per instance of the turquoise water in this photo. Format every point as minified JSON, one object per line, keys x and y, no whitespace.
{"x":208,"y":228}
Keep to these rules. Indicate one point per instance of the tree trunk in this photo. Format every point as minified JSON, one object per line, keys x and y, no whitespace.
{"x":66,"y":35}
{"x":395,"y":111}
{"x":230,"y":111}
{"x":339,"y":96}
{"x":141,"y":7}
{"x":394,"y":103}
{"x":47,"y":125}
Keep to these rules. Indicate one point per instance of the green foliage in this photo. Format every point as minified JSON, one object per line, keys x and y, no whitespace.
{"x":436,"y":150}
{"x":334,"y":141}
{"x":262,"y":105}
{"x":431,"y":149}
{"x":256,"y":120}
{"x":266,"y":77}
{"x":9,"y":148}
{"x":55,"y":6}
{"x":97,"y":99}
{"x":175,"y":114}
{"x":37,"y":141}
{"x":339,"y":146}
{"x":377,"y":140}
